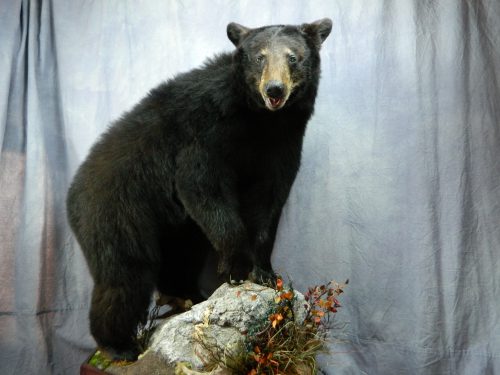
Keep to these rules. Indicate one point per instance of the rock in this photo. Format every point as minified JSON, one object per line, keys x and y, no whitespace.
{"x":185,"y":343}
{"x":220,"y":322}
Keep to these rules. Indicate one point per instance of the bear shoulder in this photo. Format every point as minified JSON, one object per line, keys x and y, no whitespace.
{"x":203,"y":91}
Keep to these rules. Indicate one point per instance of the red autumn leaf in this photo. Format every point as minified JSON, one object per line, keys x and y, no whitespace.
{"x":334,"y":301}
{"x":275,"y":319}
{"x":258,"y":359}
{"x":287,"y":295}
{"x":325,"y":304}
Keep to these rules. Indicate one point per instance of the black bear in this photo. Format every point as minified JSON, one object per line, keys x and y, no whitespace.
{"x":203,"y":164}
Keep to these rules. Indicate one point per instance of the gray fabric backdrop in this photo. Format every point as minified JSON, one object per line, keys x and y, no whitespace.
{"x":399,"y":188}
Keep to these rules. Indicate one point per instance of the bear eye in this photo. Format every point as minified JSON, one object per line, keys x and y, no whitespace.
{"x":292,"y":59}
{"x":259,"y":59}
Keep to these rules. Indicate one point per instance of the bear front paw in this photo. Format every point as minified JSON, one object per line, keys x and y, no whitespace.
{"x":262,"y":276}
{"x":233,"y":270}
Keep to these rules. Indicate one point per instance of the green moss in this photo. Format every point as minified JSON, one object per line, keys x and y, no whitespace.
{"x":100,"y":361}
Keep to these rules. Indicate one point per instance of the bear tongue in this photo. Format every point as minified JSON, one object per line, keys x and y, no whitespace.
{"x":275,"y":102}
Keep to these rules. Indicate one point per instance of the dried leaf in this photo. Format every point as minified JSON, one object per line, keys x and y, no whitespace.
{"x":287,"y":295}
{"x":275,"y":319}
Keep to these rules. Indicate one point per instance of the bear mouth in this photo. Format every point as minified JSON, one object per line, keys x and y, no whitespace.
{"x":274,"y":103}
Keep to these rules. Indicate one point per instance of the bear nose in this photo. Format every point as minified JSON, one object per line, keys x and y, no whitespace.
{"x":275,"y":89}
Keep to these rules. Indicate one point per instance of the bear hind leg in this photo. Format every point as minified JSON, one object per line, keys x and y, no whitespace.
{"x":115,"y":313}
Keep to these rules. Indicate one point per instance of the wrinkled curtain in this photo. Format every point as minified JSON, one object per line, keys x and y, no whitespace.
{"x":399,"y":189}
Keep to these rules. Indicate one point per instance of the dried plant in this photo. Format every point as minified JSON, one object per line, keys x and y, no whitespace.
{"x":277,"y":343}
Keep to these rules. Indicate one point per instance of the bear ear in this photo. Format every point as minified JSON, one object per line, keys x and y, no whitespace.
{"x":320,"y":28}
{"x":236,"y":33}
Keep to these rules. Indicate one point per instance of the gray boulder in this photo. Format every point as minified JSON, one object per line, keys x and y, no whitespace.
{"x":219,"y":322}
{"x":214,"y":327}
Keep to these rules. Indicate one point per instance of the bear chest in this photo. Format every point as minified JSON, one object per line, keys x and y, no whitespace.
{"x":254,"y":162}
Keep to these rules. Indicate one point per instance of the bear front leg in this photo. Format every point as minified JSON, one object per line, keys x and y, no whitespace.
{"x":206,"y":188}
{"x":262,"y":207}
{"x":262,"y":271}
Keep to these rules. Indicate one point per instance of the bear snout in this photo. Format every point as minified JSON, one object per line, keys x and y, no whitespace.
{"x":274,"y":94}
{"x":275,"y":90}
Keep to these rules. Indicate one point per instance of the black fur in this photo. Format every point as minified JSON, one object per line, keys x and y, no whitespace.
{"x":198,"y":165}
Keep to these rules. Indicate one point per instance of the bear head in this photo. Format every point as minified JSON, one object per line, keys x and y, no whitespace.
{"x":279,"y":63}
